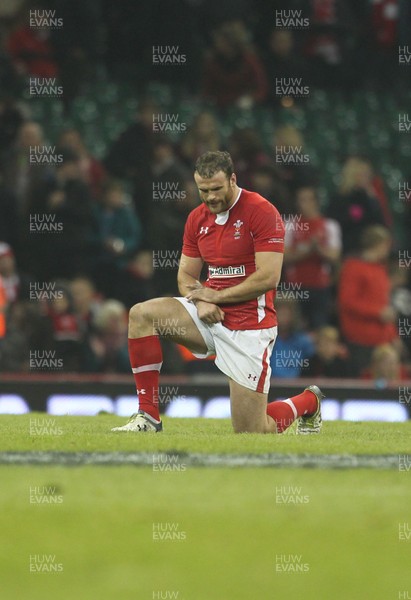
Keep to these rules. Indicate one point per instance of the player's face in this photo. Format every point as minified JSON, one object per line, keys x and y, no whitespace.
{"x":217,"y":192}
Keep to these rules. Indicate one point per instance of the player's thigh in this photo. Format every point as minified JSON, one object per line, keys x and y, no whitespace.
{"x":248,"y":409}
{"x":169,"y":319}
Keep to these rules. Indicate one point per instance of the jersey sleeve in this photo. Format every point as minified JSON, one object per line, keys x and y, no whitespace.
{"x":190,"y":246}
{"x":268,"y":230}
{"x":333,"y":233}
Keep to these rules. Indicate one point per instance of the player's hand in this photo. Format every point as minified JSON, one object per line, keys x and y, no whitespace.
{"x":202,"y":293}
{"x":209,"y":313}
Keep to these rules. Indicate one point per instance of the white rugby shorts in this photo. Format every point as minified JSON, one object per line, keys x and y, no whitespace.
{"x":243,"y":355}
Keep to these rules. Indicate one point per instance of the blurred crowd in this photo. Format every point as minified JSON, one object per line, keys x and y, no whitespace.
{"x":83,"y":238}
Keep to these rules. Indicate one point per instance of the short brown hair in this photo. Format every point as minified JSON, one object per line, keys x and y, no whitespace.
{"x":210,"y":163}
{"x":373,"y":235}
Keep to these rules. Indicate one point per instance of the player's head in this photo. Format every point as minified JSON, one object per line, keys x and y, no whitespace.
{"x":375,"y":242}
{"x":216,"y":181}
{"x":306,"y":201}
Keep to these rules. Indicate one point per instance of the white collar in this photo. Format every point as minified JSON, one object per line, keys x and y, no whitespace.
{"x":222,"y":217}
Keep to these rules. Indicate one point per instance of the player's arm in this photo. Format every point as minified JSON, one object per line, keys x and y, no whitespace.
{"x":331,"y":248}
{"x":188,"y":279}
{"x":265,"y":278}
{"x":188,"y":273}
{"x":292,"y":255}
{"x":330,"y":254}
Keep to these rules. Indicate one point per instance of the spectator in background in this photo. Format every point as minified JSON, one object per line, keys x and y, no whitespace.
{"x":400,"y":279}
{"x":246,"y":148}
{"x":120,"y":234}
{"x":385,"y":366}
{"x":66,"y":200}
{"x":11,"y":119}
{"x":290,"y":150}
{"x":10,"y":222}
{"x":66,"y":333}
{"x":170,"y":206}
{"x":16,"y":286}
{"x":107,"y":351}
{"x":327,"y":46}
{"x":130,"y":156}
{"x":382,"y":34}
{"x":85,"y":302}
{"x":282,"y":62}
{"x":202,"y":136}
{"x":312,"y":251}
{"x":293,"y":347}
{"x":26,"y":329}
{"x":330,"y":356}
{"x":366,"y":316}
{"x":31,"y":50}
{"x":136,"y":280}
{"x":21,"y":175}
{"x":356,"y":206}
{"x":3,"y":309}
{"x":265,"y":180}
{"x":77,"y":44}
{"x":92,"y":171}
{"x":233,"y":73}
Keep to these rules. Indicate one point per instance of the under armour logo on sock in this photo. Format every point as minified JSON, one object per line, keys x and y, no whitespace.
{"x":141,"y":392}
{"x":253,"y":377}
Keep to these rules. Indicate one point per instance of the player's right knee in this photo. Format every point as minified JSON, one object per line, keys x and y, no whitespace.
{"x":139,"y":312}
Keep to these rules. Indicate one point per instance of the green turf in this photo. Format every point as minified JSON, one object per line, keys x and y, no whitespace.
{"x":72,"y":434}
{"x":343,"y":525}
{"x":345,"y":531}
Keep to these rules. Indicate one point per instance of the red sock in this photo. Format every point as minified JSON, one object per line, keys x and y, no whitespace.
{"x":284,"y":412}
{"x":146,"y":359}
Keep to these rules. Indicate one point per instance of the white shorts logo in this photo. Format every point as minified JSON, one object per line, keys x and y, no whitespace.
{"x":222,"y":272}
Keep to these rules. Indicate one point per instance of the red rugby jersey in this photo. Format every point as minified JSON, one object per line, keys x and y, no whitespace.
{"x":227,"y":243}
{"x":313,"y":271}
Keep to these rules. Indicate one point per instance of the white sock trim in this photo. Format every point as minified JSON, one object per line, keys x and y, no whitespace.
{"x":153,"y":367}
{"x":291,"y":404}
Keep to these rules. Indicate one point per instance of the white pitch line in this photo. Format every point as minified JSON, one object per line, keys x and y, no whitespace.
{"x":146,"y":459}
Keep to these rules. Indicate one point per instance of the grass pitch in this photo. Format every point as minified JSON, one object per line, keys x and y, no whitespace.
{"x":133,"y":533}
{"x":37,"y":432}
